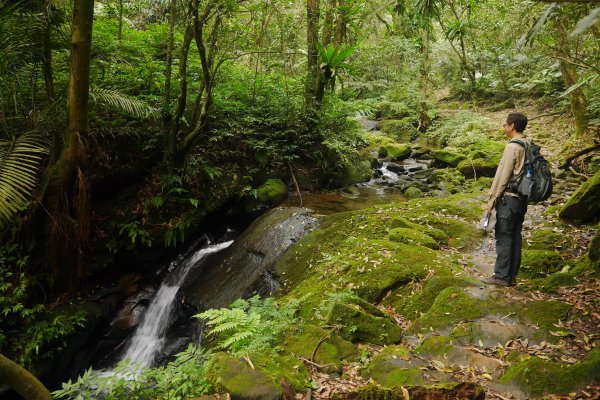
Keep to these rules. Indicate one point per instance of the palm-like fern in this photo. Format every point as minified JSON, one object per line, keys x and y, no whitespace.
{"x":123,"y":102}
{"x":20,"y":161}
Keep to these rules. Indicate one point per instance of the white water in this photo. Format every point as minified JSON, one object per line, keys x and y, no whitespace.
{"x":149,"y":339}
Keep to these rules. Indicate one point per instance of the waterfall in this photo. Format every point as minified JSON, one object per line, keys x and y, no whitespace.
{"x":149,"y":339}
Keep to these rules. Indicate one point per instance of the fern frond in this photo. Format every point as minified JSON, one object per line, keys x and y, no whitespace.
{"x":123,"y":102}
{"x":236,"y":338}
{"x":20,"y":161}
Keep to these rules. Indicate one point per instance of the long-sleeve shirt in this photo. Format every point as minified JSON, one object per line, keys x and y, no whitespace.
{"x":510,"y":165}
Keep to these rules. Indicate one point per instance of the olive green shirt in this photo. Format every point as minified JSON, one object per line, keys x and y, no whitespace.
{"x":510,"y":165}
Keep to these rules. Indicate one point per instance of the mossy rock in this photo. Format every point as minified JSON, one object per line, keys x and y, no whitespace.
{"x":395,"y":366}
{"x":454,"y":305}
{"x":442,"y":391}
{"x":412,"y":236}
{"x":448,"y":156}
{"x":443,"y":349}
{"x":331,"y":349}
{"x":359,"y":326}
{"x":490,"y":333}
{"x":357,"y":172}
{"x":411,"y":304}
{"x":399,"y":129}
{"x":552,"y":283}
{"x":232,"y":375}
{"x":548,"y":239}
{"x":437,"y":234}
{"x":594,"y":250}
{"x":477,"y":167}
{"x":448,"y":176}
{"x":584,"y":204}
{"x":540,"y":263}
{"x":270,"y":194}
{"x":503,"y":105}
{"x":537,"y":377}
{"x":394,"y":151}
{"x":413,"y":192}
{"x":544,"y":313}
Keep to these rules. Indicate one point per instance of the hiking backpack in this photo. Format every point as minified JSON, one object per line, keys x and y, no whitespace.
{"x":535,"y":182}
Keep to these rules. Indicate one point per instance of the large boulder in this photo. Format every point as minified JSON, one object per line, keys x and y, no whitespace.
{"x":584,"y":204}
{"x":448,"y":156}
{"x":477,"y":167}
{"x":247,"y":266}
{"x":394,"y":151}
{"x":270,"y":194}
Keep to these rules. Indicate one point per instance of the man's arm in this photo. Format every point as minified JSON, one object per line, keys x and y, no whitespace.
{"x":503,"y":175}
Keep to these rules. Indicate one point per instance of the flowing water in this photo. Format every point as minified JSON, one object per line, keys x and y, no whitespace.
{"x":149,"y":338}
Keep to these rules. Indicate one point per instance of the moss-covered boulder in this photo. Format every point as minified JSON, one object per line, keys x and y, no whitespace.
{"x":270,"y":194}
{"x":356,"y":172}
{"x":444,"y":391}
{"x":325,"y":347}
{"x":471,"y":168}
{"x":548,"y":239}
{"x":443,"y":350}
{"x":552,"y":283}
{"x":437,"y":234}
{"x":394,"y":151}
{"x":489,"y":333}
{"x":395,"y":366}
{"x":235,"y":376}
{"x":448,"y":156}
{"x":584,"y":204}
{"x":540,"y":263}
{"x":400,"y":129}
{"x":413,"y":192}
{"x":536,"y":377}
{"x":359,"y":326}
{"x":412,"y":236}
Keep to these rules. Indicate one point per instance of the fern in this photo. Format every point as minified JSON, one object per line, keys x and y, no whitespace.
{"x":123,"y":102}
{"x":20,"y":162}
{"x":250,"y":325}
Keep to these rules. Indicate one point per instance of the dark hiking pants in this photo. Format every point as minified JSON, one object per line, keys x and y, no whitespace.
{"x":510,"y":212}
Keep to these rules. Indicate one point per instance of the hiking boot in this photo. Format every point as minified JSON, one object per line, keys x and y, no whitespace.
{"x":494,"y":280}
{"x":513,"y":281}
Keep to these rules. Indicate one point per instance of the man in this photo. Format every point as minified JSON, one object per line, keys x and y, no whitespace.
{"x":510,"y":208}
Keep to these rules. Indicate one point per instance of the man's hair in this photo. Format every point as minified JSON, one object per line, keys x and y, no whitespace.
{"x":518,"y":119}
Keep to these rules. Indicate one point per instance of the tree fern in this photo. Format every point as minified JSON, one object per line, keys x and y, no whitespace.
{"x":120,"y":101}
{"x":20,"y":161}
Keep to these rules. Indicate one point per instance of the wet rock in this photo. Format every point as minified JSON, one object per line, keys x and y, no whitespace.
{"x":131,"y":313}
{"x":396,"y":168}
{"x":377,"y":174}
{"x":239,"y":271}
{"x":584,"y":204}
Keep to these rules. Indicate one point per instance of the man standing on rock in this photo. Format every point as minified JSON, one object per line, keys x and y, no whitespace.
{"x":510,"y":207}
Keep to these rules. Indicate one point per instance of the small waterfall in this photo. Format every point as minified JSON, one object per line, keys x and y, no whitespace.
{"x":148,"y":339}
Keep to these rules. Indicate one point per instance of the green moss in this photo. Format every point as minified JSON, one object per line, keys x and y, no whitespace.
{"x":544,"y":313}
{"x":394,"y":151}
{"x":357,"y":172}
{"x":548,"y":239}
{"x":454,"y":305}
{"x":537,"y":377}
{"x":584,"y":204}
{"x":411,"y":236}
{"x":413,"y":192}
{"x":331,"y":349}
{"x":450,"y":390}
{"x":437,"y":234}
{"x":402,"y":129}
{"x":283,"y":367}
{"x":411,"y":304}
{"x":448,"y":156}
{"x":359,"y":326}
{"x":540,"y":263}
{"x":272,"y":192}
{"x":477,"y":167}
{"x":435,"y":346}
{"x":551,"y":283}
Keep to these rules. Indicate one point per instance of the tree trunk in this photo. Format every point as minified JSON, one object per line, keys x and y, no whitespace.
{"x":312,"y":38}
{"x":21,"y":381}
{"x":120,"y":21}
{"x":43,"y":35}
{"x":424,"y":81}
{"x":169,"y":62}
{"x":577,"y":97}
{"x":66,"y":192}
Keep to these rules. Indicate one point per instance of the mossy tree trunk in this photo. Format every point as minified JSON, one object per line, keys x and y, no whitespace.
{"x":424,"y":81}
{"x":22,"y":381}
{"x":66,"y":195}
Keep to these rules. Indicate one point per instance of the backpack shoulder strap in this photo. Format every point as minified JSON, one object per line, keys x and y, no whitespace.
{"x":519,"y":142}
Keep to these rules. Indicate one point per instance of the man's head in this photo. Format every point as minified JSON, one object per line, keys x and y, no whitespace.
{"x":515,"y":123}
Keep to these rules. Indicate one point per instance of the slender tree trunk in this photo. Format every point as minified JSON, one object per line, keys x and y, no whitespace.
{"x":577,"y":97}
{"x":66,"y":192}
{"x":340,"y":25}
{"x":169,"y":62}
{"x":46,"y":52}
{"x":120,"y":34}
{"x":21,"y":381}
{"x":424,"y":83}
{"x":312,"y":38}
